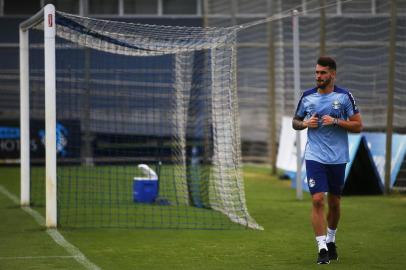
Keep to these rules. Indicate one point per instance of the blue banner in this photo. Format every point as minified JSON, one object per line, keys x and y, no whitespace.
{"x":67,"y":139}
{"x":9,"y":132}
{"x":377,"y":145}
{"x":354,"y":141}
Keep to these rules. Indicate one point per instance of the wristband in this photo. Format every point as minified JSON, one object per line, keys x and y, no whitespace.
{"x":335,"y":122}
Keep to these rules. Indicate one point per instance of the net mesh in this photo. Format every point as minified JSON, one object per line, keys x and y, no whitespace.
{"x":356,"y":35}
{"x":130,"y":94}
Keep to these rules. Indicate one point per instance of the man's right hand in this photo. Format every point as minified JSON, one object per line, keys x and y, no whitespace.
{"x":312,"y":122}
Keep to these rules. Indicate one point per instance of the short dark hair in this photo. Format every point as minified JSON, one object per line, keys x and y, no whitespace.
{"x":327,"y":61}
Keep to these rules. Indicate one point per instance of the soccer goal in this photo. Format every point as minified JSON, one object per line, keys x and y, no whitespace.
{"x":141,"y":124}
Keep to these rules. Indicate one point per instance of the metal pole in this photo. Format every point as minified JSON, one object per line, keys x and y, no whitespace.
{"x":272,"y":96}
{"x":87,"y":139}
{"x":205,"y":13}
{"x":234,"y":11}
{"x":391,"y":84}
{"x":207,"y":126}
{"x":296,"y":72}
{"x":322,"y":28}
{"x":24,"y":119}
{"x":50,"y":116}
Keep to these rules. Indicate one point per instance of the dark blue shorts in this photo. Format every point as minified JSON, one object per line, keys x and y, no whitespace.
{"x":325,"y":177}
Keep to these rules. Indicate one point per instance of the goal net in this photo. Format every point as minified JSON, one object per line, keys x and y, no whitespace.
{"x":356,"y":33}
{"x":146,"y":120}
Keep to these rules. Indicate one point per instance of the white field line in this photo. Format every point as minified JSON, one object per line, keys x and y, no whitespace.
{"x":55,"y":235}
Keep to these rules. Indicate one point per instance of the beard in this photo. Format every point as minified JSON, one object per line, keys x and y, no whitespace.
{"x":323,"y":83}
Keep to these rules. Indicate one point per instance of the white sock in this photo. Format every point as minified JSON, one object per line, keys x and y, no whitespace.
{"x":331,"y":235}
{"x":321,"y":242}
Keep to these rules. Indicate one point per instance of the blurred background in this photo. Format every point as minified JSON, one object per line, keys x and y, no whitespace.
{"x":356,"y":33}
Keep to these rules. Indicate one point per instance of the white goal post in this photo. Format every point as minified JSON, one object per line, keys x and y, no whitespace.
{"x":46,"y":15}
{"x":123,"y":94}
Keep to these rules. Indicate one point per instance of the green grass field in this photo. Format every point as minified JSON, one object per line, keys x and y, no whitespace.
{"x":102,"y":196}
{"x":372,"y":235}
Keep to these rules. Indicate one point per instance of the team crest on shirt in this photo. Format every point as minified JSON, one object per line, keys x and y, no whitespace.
{"x":312,"y":182}
{"x":336,"y":105}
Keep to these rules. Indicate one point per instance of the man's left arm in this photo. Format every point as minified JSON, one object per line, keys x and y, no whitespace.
{"x":353,"y":124}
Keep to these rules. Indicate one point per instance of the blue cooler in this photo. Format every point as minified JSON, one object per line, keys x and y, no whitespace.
{"x":145,"y":189}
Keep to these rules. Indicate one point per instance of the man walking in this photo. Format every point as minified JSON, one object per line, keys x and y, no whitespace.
{"x":329,"y":112}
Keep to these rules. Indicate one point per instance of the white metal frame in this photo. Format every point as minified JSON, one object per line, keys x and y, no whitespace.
{"x":24,"y":119}
{"x":47,"y":16}
{"x":296,"y":69}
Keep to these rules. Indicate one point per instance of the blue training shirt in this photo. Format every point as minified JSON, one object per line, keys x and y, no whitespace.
{"x":327,"y":144}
